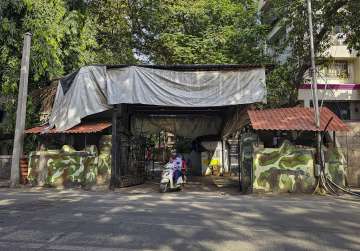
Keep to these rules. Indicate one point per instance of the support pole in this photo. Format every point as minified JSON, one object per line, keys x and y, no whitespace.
{"x":21,"y":112}
{"x":314,"y":84}
{"x":114,"y":150}
{"x":313,"y":68}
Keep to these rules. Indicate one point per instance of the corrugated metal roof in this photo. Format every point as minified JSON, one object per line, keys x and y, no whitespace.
{"x":294,"y":119}
{"x":91,"y":127}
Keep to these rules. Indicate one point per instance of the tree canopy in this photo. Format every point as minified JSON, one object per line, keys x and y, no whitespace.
{"x":68,"y":34}
{"x":199,"y":32}
{"x":63,"y":39}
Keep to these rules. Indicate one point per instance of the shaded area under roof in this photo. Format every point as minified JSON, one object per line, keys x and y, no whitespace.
{"x":295,"y":119}
{"x":91,"y":127}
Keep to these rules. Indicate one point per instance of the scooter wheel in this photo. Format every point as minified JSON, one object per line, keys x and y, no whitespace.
{"x":163,"y":188}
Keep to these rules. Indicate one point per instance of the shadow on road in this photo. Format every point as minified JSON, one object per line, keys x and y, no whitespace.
{"x":193,"y":219}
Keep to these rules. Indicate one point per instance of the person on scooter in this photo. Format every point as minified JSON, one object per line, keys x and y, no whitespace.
{"x":183,"y":169}
{"x":176,"y":160}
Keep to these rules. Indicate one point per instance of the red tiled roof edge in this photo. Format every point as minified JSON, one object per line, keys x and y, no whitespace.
{"x":91,"y":127}
{"x":294,"y":119}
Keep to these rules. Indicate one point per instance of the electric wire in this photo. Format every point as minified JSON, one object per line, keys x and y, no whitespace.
{"x":342,"y":189}
{"x":338,"y":108}
{"x":329,"y":185}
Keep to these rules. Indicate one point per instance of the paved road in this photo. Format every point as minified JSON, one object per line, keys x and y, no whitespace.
{"x":124,"y":220}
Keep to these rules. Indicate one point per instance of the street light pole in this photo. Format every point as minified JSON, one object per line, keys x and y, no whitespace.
{"x":313,"y":83}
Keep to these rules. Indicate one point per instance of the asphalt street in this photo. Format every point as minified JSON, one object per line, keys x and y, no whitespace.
{"x":135,"y":219}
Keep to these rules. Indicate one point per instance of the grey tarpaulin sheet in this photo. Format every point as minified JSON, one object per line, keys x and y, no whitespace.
{"x":188,"y":127}
{"x":95,"y":89}
{"x":137,"y":85}
{"x":87,"y":95}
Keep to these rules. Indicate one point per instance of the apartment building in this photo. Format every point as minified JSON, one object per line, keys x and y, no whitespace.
{"x":338,"y":84}
{"x":338,"y":81}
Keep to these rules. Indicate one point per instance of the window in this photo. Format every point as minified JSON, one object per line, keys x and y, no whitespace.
{"x":338,"y":29}
{"x":2,"y":115}
{"x":339,"y":69}
{"x":338,"y":36}
{"x":341,"y":109}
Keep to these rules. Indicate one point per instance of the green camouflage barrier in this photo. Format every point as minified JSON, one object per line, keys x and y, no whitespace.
{"x":67,"y":167}
{"x":104,"y":161}
{"x":284,"y":169}
{"x":291,"y":168}
{"x":90,"y":166}
{"x":38,"y":168}
{"x":335,"y":165}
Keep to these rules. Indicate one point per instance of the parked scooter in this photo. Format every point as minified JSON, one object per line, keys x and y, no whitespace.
{"x":167,"y":181}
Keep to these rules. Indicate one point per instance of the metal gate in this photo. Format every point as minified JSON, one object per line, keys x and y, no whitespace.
{"x":129,"y":169}
{"x":234,"y":157}
{"x":247,"y":142}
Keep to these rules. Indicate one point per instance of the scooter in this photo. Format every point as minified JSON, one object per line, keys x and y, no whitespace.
{"x":167,"y":182}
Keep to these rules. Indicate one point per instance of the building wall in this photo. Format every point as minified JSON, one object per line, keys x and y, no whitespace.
{"x":336,"y":83}
{"x":330,"y":94}
{"x":290,"y":168}
{"x":5,"y":166}
{"x":350,"y":144}
{"x":68,"y":167}
{"x":212,"y":159}
{"x":6,"y":146}
{"x":356,"y":70}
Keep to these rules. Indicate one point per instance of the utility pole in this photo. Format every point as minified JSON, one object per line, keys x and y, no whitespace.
{"x":313,"y":69}
{"x":21,"y":111}
{"x":314,"y":84}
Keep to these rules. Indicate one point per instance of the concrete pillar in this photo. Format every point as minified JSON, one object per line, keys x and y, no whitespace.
{"x":21,"y":112}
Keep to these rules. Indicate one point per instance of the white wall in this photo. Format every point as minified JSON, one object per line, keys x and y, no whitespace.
{"x":334,"y":95}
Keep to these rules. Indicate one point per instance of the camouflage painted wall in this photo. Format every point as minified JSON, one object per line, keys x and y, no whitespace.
{"x":291,"y":168}
{"x":350,"y":144}
{"x":67,"y":167}
{"x":284,"y":169}
{"x":335,"y":165}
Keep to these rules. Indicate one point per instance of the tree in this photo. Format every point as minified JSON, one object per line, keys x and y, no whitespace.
{"x":113,"y":31}
{"x":197,"y":32}
{"x":62,"y":41}
{"x":327,"y":14}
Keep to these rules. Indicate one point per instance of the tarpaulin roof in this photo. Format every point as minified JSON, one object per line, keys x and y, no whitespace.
{"x":295,"y":119}
{"x":91,"y":127}
{"x":94,"y":89}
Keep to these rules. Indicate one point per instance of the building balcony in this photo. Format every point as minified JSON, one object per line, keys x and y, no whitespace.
{"x":340,"y":52}
{"x":334,"y":92}
{"x":342,"y":99}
